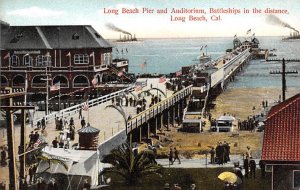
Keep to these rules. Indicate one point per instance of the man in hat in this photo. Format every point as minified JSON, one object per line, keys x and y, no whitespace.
{"x":212,"y":155}
{"x":86,"y":185}
{"x":171,"y":156}
{"x":176,"y":153}
{"x":23,"y":184}
{"x":52,"y":185}
{"x":82,"y":122}
{"x":41,"y":185}
{"x":167,"y":186}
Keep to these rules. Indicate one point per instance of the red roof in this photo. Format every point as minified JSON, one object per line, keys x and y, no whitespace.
{"x":282,"y":132}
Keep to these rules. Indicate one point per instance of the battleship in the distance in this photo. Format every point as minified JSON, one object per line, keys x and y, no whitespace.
{"x":293,"y":36}
{"x":127,"y":38}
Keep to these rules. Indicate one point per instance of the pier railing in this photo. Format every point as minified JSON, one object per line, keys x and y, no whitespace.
{"x":144,"y":116}
{"x":91,"y":103}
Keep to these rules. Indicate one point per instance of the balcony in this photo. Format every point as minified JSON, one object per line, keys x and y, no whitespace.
{"x":120,"y":62}
{"x":101,"y":68}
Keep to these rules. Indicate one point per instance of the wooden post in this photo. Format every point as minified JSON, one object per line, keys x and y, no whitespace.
{"x":148,"y":129}
{"x":168,"y":118}
{"x":162,"y":120}
{"x":11,"y":151}
{"x":156,"y":125}
{"x":140,"y":133}
{"x":13,"y":182}
{"x":23,"y":144}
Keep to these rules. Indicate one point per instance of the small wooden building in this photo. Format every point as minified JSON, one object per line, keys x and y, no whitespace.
{"x":88,"y":138}
{"x":281,"y":151}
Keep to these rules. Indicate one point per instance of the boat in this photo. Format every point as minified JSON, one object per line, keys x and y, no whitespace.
{"x":204,"y":58}
{"x":293,"y":36}
{"x":127,"y":38}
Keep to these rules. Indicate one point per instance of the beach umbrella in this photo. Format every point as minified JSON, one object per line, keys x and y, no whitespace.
{"x":230,"y":177}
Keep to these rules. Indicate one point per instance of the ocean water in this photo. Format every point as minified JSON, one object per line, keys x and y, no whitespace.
{"x":169,"y":55}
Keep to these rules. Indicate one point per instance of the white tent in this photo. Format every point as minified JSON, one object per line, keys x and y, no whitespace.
{"x":81,"y":164}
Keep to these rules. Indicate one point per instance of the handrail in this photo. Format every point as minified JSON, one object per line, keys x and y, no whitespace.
{"x":153,"y":110}
{"x":73,"y":109}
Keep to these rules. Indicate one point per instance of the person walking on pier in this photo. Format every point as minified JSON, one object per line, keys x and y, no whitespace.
{"x":176,"y":155}
{"x":252,"y":166}
{"x":43,"y":122}
{"x":83,"y":122}
{"x":80,"y":112}
{"x":171,"y":156}
{"x":212,"y":155}
{"x":246,"y":166}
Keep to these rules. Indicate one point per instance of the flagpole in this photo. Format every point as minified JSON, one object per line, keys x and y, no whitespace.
{"x":26,"y":86}
{"x":59,"y":98}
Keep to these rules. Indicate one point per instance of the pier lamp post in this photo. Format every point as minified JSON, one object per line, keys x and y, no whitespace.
{"x":47,"y":91}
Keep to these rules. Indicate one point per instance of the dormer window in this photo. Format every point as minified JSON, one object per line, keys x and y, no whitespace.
{"x":97,"y":35}
{"x":75,"y":36}
{"x":16,"y":38}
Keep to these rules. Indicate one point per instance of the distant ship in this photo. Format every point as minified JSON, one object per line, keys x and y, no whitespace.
{"x":204,"y":57}
{"x":293,"y":36}
{"x":127,"y":38}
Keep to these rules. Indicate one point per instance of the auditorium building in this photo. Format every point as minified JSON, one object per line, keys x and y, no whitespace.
{"x":74,"y":56}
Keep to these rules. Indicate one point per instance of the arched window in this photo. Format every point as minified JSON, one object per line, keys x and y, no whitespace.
{"x":14,"y":60}
{"x":4,"y":81}
{"x":18,"y":80}
{"x":43,"y":60}
{"x":107,"y":58}
{"x":80,"y":81}
{"x":64,"y":83}
{"x":27,"y":60}
{"x":39,"y":81}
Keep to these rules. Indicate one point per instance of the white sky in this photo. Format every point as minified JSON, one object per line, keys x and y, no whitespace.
{"x":66,"y":12}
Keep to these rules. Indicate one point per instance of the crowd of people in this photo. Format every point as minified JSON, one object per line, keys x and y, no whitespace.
{"x":52,"y":184}
{"x":67,"y":132}
{"x":220,"y":154}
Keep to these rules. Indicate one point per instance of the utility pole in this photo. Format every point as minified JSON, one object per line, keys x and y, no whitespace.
{"x":13,"y":182}
{"x":283,"y":74}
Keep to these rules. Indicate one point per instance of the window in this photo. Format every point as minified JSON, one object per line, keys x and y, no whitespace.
{"x":43,"y":60}
{"x":97,"y":35}
{"x":296,"y":179}
{"x":107,"y":58}
{"x":27,"y":60}
{"x":14,"y":60}
{"x":75,"y":36}
{"x":81,"y":59}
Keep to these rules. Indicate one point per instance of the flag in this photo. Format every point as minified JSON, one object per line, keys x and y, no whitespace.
{"x":85,"y":106}
{"x":162,"y":79}
{"x":7,"y":56}
{"x":55,"y":87}
{"x":120,"y":73}
{"x":92,"y":54}
{"x":69,"y":54}
{"x":248,"y":31}
{"x":178,"y":73}
{"x":138,"y":86}
{"x":143,"y":65}
{"x":94,"y":82}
